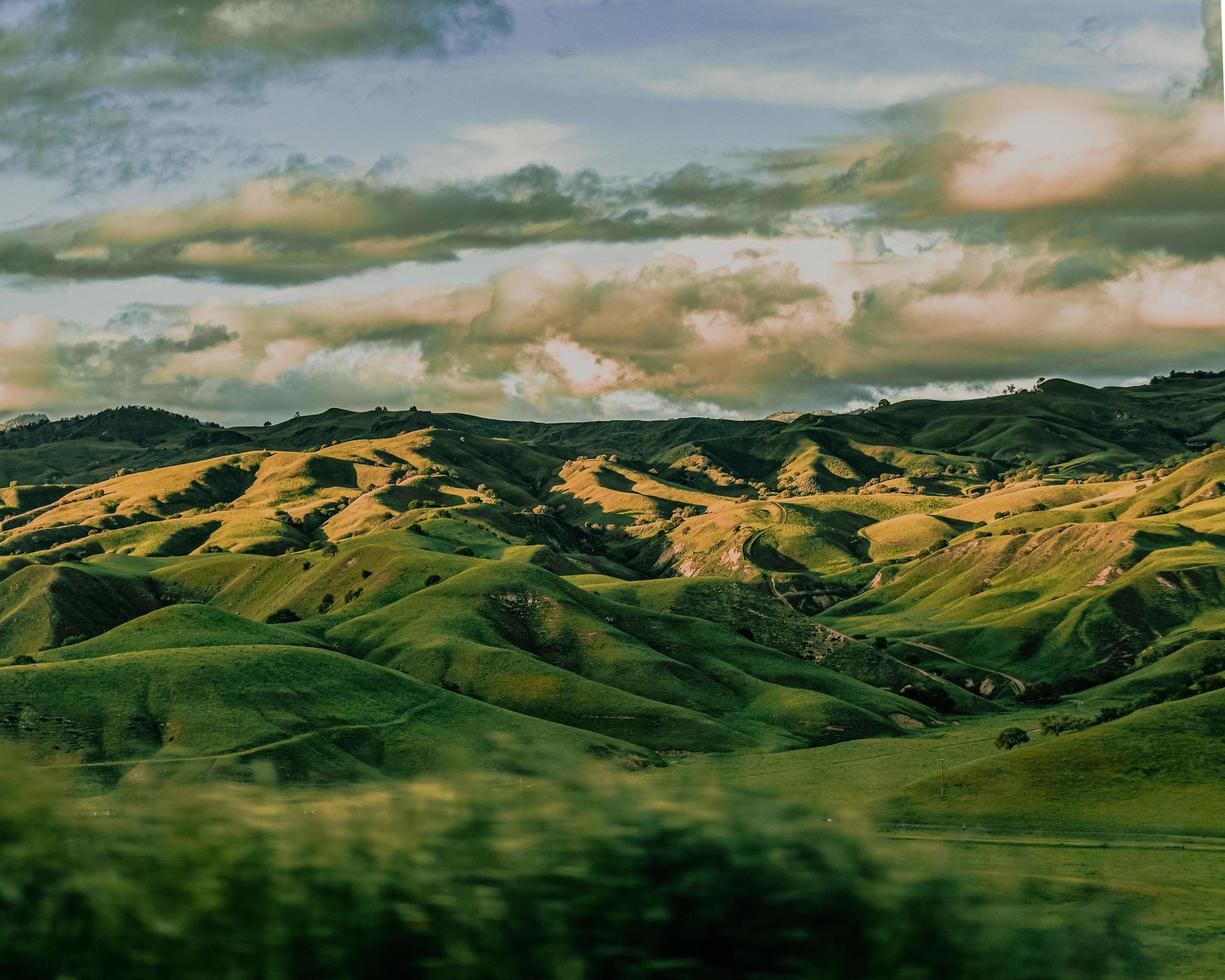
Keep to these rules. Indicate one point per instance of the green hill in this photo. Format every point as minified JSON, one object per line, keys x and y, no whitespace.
{"x":304,"y":713}
{"x":1157,"y":770}
{"x":650,"y":590}
{"x":516,"y":635}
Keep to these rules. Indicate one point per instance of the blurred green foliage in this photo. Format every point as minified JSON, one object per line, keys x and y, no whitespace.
{"x":601,"y":876}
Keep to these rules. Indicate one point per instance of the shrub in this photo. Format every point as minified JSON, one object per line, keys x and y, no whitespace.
{"x":1114,"y":712}
{"x":283,"y":615}
{"x":936,"y":698}
{"x":467,"y":879}
{"x":1039,"y":692}
{"x":327,"y":602}
{"x":1053,"y":724}
{"x":1010,"y":738}
{"x":432,"y":580}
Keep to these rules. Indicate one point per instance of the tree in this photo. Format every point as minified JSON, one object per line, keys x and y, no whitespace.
{"x":883,"y":403}
{"x":1010,"y":738}
{"x":936,"y":698}
{"x":1039,"y":692}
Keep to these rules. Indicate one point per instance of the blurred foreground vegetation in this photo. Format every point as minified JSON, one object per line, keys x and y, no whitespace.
{"x":601,"y":876}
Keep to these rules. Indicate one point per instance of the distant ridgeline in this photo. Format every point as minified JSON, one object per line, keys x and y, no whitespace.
{"x":361,"y":589}
{"x":1058,"y":425}
{"x":132,"y":423}
{"x":22,"y":421}
{"x":1183,"y":375}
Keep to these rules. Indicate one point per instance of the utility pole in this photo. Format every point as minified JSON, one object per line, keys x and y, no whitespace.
{"x":942,"y":777}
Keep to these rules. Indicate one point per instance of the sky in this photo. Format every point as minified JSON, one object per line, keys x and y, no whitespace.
{"x":567,"y":209}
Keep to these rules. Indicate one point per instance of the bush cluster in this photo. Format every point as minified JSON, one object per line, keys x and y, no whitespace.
{"x":601,"y":878}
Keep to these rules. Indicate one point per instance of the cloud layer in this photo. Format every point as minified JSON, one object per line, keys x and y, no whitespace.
{"x":966,"y":239}
{"x":102,"y":92}
{"x":1210,"y":85}
{"x":818,"y":324}
{"x":1030,"y":165}
{"x":1085,"y":172}
{"x":301,"y":224}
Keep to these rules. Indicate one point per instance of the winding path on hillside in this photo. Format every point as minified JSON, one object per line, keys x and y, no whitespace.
{"x":751,"y":541}
{"x":1018,"y":685}
{"x":254,"y":749}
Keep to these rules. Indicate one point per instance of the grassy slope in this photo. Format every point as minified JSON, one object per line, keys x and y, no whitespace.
{"x":754,"y":614}
{"x":1063,"y":599}
{"x":42,"y":607}
{"x":455,"y":533}
{"x":516,"y":635}
{"x":1157,"y":770}
{"x":313,"y":714}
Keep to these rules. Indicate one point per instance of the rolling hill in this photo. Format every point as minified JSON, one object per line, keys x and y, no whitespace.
{"x":364,"y":594}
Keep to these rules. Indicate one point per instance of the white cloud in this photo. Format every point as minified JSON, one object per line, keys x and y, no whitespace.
{"x":802,"y":86}
{"x":486,"y":150}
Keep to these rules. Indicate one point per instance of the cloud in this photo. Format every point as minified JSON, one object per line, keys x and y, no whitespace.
{"x":300,"y":224}
{"x":800,"y":86}
{"x":965,"y":240}
{"x":761,"y":331}
{"x":1070,"y":169}
{"x":98,"y":91}
{"x":500,"y":148}
{"x":1036,"y":166}
{"x":1210,"y":85}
